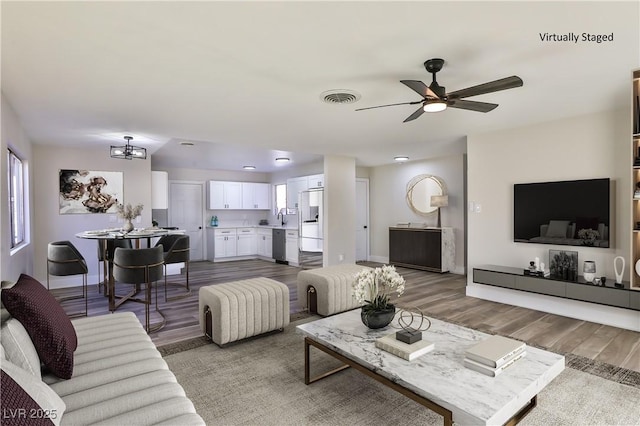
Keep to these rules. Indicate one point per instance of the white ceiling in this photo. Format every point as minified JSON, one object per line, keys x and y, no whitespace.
{"x":243,"y":79}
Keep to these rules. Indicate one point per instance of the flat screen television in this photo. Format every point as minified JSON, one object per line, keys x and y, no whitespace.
{"x":574,"y":213}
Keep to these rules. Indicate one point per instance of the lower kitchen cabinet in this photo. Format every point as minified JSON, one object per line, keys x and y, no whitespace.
{"x":264,"y":241}
{"x":226,"y":243}
{"x":291,"y":242}
{"x":246,"y":242}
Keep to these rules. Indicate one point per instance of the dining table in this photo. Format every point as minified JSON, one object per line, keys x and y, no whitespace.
{"x":137,"y":235}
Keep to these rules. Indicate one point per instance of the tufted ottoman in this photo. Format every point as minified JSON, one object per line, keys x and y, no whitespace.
{"x":240,"y":309}
{"x":328,"y":290}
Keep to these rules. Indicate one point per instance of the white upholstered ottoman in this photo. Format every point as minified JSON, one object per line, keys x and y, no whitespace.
{"x":328,"y":290}
{"x":242,"y":309}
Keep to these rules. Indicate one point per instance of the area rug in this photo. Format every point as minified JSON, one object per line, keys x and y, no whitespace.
{"x":261,"y":382}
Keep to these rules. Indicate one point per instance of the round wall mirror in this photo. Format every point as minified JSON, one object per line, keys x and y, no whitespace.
{"x":420,"y":189}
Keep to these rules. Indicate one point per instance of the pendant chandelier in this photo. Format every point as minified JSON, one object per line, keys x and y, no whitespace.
{"x":128,"y":151}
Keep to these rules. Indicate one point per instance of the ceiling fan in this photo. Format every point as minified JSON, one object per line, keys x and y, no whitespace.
{"x":436,"y":99}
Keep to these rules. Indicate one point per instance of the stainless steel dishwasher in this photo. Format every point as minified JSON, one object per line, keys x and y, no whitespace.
{"x":278,"y":246}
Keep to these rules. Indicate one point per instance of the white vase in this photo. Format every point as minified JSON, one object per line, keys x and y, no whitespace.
{"x":620,"y":273}
{"x":589,"y":270}
{"x":128,"y":226}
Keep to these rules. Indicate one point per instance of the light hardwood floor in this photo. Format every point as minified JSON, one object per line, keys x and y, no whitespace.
{"x":440,"y":295}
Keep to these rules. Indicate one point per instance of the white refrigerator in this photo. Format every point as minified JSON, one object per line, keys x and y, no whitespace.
{"x":310,"y":220}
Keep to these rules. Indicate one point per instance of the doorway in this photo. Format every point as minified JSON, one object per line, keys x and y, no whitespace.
{"x":362,"y":219}
{"x":186,"y":212}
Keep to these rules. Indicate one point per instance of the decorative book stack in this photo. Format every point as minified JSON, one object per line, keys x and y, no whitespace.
{"x":404,"y":350}
{"x":494,"y":355}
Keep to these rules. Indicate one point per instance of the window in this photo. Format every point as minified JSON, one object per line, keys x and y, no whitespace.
{"x":281,"y":197}
{"x":16,"y":199}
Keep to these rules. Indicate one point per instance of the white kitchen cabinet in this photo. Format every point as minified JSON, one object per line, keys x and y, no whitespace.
{"x":246,"y":245}
{"x":294,"y":186}
{"x":256,"y":196}
{"x":225,"y":195}
{"x":315,"y":181}
{"x":211,"y":244}
{"x":264,"y":239}
{"x":225,"y":243}
{"x":159,"y":190}
{"x":291,"y":244}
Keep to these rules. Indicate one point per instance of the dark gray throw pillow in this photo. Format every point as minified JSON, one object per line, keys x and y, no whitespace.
{"x":557,"y":228}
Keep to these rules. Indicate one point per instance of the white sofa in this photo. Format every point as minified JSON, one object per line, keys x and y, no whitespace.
{"x":119,"y":377}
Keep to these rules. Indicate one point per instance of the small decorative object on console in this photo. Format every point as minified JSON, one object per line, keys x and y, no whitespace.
{"x":533,"y":269}
{"x":619,"y":273}
{"x":589,"y":270}
{"x":563,"y":265}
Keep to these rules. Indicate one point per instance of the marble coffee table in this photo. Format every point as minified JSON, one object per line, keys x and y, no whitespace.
{"x":438,"y":380}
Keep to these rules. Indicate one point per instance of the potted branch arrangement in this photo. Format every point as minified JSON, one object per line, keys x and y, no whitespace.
{"x":128,"y":213}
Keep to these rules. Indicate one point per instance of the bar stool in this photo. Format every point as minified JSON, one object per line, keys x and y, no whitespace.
{"x":140,"y":266}
{"x":64,"y":259}
{"x":176,"y":250}
{"x":105,"y":252}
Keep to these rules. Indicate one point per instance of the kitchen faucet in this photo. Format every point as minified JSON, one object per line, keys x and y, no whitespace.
{"x":281,"y":217}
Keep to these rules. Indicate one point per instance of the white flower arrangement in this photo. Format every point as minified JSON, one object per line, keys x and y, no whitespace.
{"x":127,"y":212}
{"x":373,"y":287}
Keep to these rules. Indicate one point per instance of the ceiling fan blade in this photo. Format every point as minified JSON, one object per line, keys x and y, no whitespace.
{"x":388,"y":105}
{"x":492,"y":86}
{"x":415,"y":115}
{"x":472,"y":105}
{"x":420,"y":88}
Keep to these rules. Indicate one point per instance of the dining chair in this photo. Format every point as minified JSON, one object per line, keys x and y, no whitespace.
{"x":141,"y":266}
{"x":64,"y":259}
{"x":175,"y":250}
{"x":105,"y":253}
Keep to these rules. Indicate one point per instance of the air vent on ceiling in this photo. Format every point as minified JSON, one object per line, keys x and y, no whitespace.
{"x":340,"y":96}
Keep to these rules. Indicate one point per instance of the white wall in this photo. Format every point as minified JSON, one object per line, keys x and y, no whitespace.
{"x":14,"y":138}
{"x":388,"y":205}
{"x":340,"y":210}
{"x":591,"y":146}
{"x":52,"y":226}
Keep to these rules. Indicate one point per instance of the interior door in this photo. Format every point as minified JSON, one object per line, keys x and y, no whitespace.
{"x":186,"y":212}
{"x":362,"y":219}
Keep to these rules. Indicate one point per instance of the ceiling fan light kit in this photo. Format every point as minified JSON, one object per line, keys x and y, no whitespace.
{"x":435,"y":98}
{"x":434,"y":106}
{"x":128,"y":151}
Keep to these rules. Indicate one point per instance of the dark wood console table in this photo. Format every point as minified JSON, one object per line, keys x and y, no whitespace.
{"x":430,"y":249}
{"x":515,"y":279}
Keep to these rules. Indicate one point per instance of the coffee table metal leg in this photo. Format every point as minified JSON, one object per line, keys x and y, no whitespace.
{"x":525,"y":410}
{"x":446,"y":414}
{"x":307,"y":363}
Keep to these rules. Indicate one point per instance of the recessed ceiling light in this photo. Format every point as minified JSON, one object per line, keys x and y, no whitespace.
{"x":401,"y":158}
{"x":249,"y":167}
{"x":185,"y":143}
{"x":282,"y":160}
